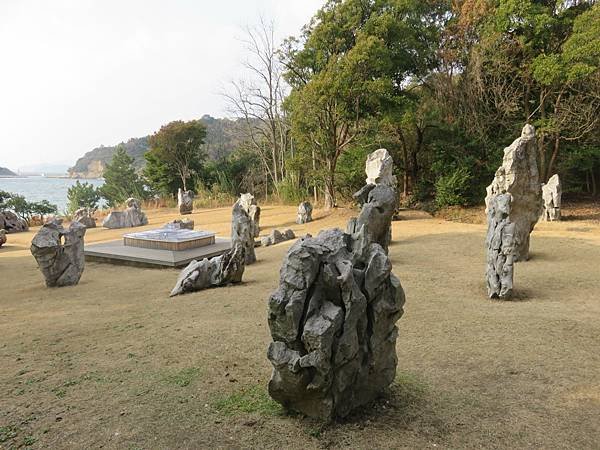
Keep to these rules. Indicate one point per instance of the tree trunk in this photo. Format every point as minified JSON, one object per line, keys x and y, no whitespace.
{"x":550,"y":167}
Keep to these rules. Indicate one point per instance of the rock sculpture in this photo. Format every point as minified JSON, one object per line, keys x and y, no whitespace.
{"x":551,"y":198}
{"x":185,"y":201}
{"x":85,"y":217}
{"x":276,"y":236}
{"x":180,"y":224}
{"x":304,"y":213}
{"x":500,"y":247}
{"x":12,"y":223}
{"x":2,"y":237}
{"x":131,"y":217}
{"x":332,"y":321}
{"x":218,"y":271}
{"x":519,"y":177}
{"x":378,"y":199}
{"x":242,"y":230}
{"x":59,"y":253}
{"x":249,"y":204}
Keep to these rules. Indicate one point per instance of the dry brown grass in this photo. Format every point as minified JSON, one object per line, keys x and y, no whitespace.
{"x":114,"y":363}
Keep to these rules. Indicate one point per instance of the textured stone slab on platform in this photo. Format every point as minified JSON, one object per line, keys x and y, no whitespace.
{"x":169,"y":239}
{"x":116,"y":252}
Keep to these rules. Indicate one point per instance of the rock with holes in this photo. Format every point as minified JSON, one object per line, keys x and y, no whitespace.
{"x":2,"y":237}
{"x":242,"y":232}
{"x":12,"y":223}
{"x":218,"y":271}
{"x":131,"y":217}
{"x":59,"y":253}
{"x":185,"y":201}
{"x":333,"y":324}
{"x":500,"y":245}
{"x":304,"y":213}
{"x":85,"y":217}
{"x":248,"y":202}
{"x":551,"y":198}
{"x":519,"y":177}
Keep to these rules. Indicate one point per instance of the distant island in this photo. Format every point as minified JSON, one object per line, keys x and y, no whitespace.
{"x":4,"y":172}
{"x":222,"y":137}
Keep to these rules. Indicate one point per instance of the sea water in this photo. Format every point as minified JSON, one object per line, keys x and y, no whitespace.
{"x":35,"y":189}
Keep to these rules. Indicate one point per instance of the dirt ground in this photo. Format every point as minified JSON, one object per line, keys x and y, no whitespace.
{"x":114,"y":363}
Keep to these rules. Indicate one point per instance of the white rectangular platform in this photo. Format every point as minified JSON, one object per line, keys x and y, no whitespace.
{"x":116,"y":252}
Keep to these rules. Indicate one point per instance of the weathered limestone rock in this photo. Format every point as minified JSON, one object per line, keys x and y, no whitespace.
{"x":378,"y":199}
{"x":500,"y":247}
{"x":180,"y":224}
{"x":12,"y":223}
{"x":249,"y":204}
{"x":551,"y":198}
{"x":2,"y":237}
{"x":332,"y":321}
{"x":276,"y":236}
{"x":242,"y":230}
{"x":131,"y":217}
{"x":519,"y":177}
{"x":85,"y":217}
{"x":61,"y":263}
{"x":185,"y":201}
{"x":304,"y":213}
{"x":218,"y":271}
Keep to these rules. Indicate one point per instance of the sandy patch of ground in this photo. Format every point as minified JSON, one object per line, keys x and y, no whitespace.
{"x":114,"y":363}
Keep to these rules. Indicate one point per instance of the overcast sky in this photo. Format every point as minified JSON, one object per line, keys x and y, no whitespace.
{"x":80,"y":73}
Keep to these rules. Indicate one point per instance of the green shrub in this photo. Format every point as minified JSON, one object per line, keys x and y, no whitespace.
{"x":82,"y":195}
{"x":453,"y":189}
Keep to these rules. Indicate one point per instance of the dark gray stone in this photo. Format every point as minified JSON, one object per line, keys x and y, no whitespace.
{"x":185,"y":201}
{"x":59,"y":253}
{"x":276,"y":236}
{"x":2,"y":237}
{"x":12,"y":223}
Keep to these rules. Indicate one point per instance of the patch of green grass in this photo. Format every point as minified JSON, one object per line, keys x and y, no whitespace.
{"x":29,"y":440}
{"x":253,"y":399}
{"x":184,"y":377}
{"x":8,"y":432}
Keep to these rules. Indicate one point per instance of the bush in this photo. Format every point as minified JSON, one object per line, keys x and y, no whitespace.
{"x":82,"y":195}
{"x":24,"y":209}
{"x":453,"y":189}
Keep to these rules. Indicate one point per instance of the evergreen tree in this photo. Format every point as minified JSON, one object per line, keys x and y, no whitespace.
{"x":121,"y":180}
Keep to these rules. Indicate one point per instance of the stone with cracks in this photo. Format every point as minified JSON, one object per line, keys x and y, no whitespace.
{"x":248,"y":202}
{"x":519,"y":177}
{"x":276,"y":236}
{"x":131,"y":217}
{"x":59,"y":253}
{"x":304,"y":213}
{"x":551,"y":198}
{"x":333,"y":323}
{"x":185,"y":201}
{"x":218,"y":271}
{"x":85,"y":217}
{"x":242,"y":232}
{"x":12,"y":223}
{"x":500,"y":247}
{"x":379,"y":168}
{"x":2,"y":237}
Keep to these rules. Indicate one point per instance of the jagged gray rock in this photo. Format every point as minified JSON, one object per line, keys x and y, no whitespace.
{"x":185,"y":201}
{"x":519,"y":177}
{"x":248,"y":202}
{"x":61,"y":263}
{"x":242,"y":232}
{"x":131,"y":217}
{"x":85,"y":217}
{"x":276,"y":236}
{"x":180,"y":224}
{"x":218,"y":271}
{"x":333,"y":323}
{"x":304,"y":213}
{"x":12,"y":223}
{"x":500,"y":247}
{"x":551,"y":198}
{"x":2,"y":237}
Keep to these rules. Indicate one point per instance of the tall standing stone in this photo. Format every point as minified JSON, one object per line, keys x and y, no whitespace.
{"x":500,"y":247}
{"x":519,"y":177}
{"x":185,"y":201}
{"x":551,"y":198}
{"x":242,"y":232}
{"x":304,"y":213}
{"x":248,"y":202}
{"x":59,"y":253}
